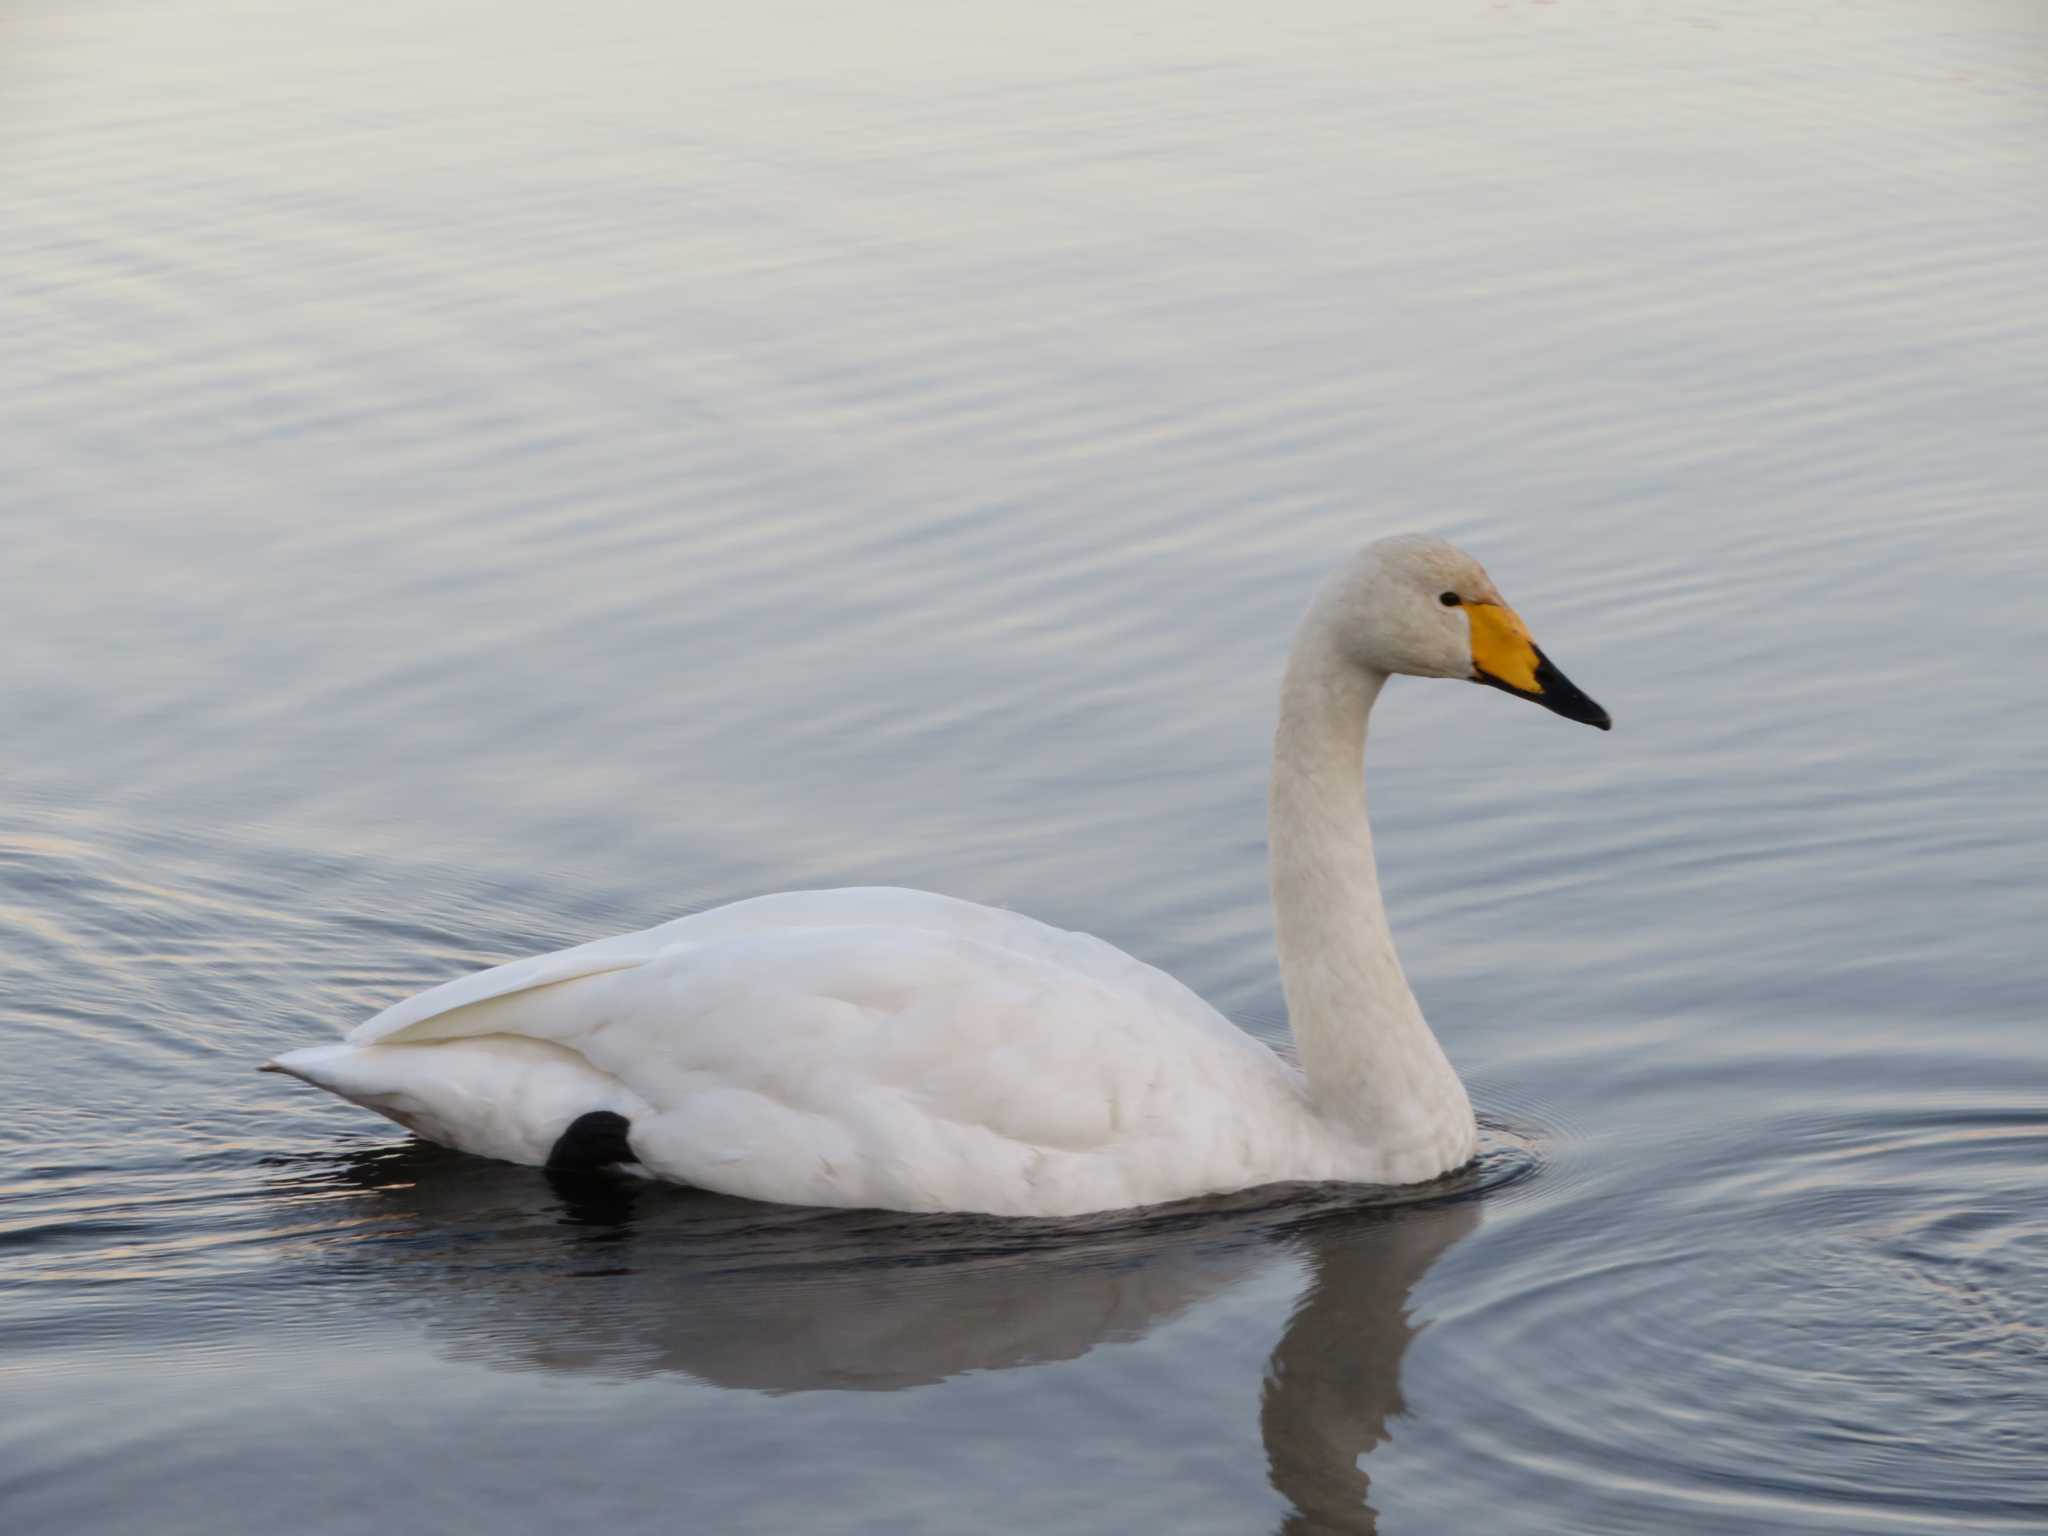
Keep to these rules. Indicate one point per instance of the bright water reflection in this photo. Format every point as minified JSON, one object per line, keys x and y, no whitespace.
{"x":480,"y":476}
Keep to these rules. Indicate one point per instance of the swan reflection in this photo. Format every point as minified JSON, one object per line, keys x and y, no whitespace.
{"x":618,"y":1278}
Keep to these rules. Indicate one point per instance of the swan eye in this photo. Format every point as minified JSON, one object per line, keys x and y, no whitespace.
{"x":1450,"y":599}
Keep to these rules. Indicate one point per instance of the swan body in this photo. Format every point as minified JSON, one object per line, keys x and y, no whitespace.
{"x":875,"y":1047}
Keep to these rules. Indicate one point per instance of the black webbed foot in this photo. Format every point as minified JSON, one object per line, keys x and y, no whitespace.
{"x":592,"y":1142}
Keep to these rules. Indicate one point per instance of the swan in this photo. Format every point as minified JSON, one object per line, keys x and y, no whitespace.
{"x":900,"y":1050}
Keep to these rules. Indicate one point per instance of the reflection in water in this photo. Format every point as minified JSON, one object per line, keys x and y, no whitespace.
{"x":618,"y":1278}
{"x":1335,"y":1376}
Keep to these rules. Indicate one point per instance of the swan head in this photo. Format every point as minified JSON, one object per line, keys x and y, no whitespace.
{"x":1419,"y":605}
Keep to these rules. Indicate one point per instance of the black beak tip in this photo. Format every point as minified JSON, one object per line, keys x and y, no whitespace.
{"x":1589,"y":713}
{"x":1561,"y":694}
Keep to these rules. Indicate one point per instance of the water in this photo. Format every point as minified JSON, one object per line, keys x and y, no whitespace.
{"x":480,"y":477}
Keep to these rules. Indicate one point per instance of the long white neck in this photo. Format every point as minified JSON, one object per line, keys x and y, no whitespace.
{"x":1374,"y":1069}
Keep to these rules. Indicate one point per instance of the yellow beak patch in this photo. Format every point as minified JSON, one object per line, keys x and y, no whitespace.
{"x":1501,"y":646}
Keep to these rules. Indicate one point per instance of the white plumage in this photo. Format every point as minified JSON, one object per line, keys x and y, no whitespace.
{"x":898,"y":1049}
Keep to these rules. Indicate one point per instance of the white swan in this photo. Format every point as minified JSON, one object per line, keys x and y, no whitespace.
{"x":896,"y":1049}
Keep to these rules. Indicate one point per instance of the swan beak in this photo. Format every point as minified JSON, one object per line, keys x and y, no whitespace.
{"x":1504,"y":657}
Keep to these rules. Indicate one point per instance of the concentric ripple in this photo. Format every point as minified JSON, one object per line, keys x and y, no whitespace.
{"x":1820,"y":1305}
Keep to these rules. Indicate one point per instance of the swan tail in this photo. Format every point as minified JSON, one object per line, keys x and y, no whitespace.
{"x":519,"y":1100}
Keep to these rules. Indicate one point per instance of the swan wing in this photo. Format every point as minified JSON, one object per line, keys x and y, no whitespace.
{"x":914,"y":1067}
{"x":915,"y":1070}
{"x":854,"y":906}
{"x":515,"y":976}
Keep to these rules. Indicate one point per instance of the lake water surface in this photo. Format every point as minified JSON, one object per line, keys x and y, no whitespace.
{"x":479,"y":476}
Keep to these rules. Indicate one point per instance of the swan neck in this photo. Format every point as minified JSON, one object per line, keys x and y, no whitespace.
{"x":1369,"y":1057}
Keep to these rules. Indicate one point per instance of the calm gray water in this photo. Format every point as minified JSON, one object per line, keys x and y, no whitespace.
{"x":480,"y":476}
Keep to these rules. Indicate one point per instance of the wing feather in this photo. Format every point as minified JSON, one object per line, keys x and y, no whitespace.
{"x":888,"y":1048}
